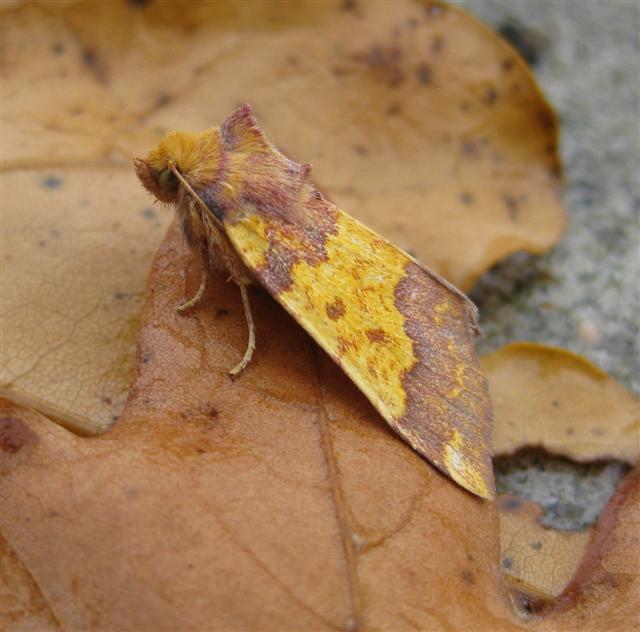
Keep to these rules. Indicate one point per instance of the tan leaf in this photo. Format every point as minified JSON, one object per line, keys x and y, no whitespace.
{"x":401,"y":108}
{"x":278,"y":501}
{"x":22,"y":606}
{"x":550,"y":398}
{"x":73,"y":276}
{"x":605,"y":591}
{"x":540,"y":561}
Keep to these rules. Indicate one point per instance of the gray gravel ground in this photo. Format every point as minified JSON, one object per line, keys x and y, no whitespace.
{"x":585,"y":294}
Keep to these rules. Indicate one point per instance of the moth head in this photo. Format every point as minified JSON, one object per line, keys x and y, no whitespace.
{"x":196,"y":156}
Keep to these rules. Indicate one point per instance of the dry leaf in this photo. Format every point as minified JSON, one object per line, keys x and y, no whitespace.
{"x":605,"y":591}
{"x":22,"y":606}
{"x":540,"y":561}
{"x":74,"y":267}
{"x":278,"y":501}
{"x":418,"y":120}
{"x":553,"y":399}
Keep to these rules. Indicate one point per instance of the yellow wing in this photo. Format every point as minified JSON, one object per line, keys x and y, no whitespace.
{"x":402,"y":335}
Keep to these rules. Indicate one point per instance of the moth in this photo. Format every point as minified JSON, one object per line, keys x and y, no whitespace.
{"x":402,"y":334}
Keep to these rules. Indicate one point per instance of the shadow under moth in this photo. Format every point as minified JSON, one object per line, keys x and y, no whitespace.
{"x":401,"y":333}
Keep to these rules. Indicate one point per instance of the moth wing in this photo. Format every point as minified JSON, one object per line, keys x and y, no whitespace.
{"x":403,"y":335}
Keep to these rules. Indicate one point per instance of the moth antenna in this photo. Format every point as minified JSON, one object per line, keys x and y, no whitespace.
{"x":195,"y":196}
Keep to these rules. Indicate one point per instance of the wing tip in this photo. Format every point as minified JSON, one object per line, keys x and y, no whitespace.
{"x":475,"y":478}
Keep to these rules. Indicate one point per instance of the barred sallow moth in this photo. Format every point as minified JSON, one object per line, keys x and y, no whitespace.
{"x":400,"y":332}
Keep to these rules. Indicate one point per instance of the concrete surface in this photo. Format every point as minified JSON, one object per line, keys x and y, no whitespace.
{"x":585,"y":295}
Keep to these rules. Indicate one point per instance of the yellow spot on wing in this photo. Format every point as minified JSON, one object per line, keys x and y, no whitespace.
{"x":251,"y":233}
{"x":367,"y":291}
{"x":368,"y":297}
{"x":460,"y":470}
{"x":440,"y":310}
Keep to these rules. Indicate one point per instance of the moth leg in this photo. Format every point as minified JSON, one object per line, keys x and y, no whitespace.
{"x":195,"y":299}
{"x":251,"y":345}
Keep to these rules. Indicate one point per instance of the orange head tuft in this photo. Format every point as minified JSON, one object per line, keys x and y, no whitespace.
{"x":198,"y":157}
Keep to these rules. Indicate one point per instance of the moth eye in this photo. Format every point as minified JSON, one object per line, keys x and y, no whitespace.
{"x":168,"y":181}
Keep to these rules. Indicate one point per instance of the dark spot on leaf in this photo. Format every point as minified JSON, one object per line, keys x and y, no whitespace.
{"x":513,"y":206}
{"x":76,"y":110}
{"x":509,"y":503}
{"x":394,"y":109}
{"x":536,"y":546}
{"x":57,"y":49}
{"x":361,"y":150}
{"x":465,"y":106}
{"x":377,"y":336}
{"x":434,"y":10}
{"x":396,"y":76}
{"x":467,"y":198}
{"x":221,"y":312}
{"x":336,"y":309}
{"x":384,"y":62}
{"x":213,"y":412}
{"x":348,"y":5}
{"x":555,"y":403}
{"x":95,"y":64}
{"x":555,"y":169}
{"x":424,"y":73}
{"x":527,"y":42}
{"x":15,"y":434}
{"x":508,"y":65}
{"x":105,"y":399}
{"x":42,"y":243}
{"x":507,"y":562}
{"x":547,"y":120}
{"x":163,"y":99}
{"x":51,"y":182}
{"x":437,"y":43}
{"x":293,"y":60}
{"x":467,"y":576}
{"x":490,"y":96}
{"x":470,"y":149}
{"x":139,"y":4}
{"x":148,"y":213}
{"x":412,"y":22}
